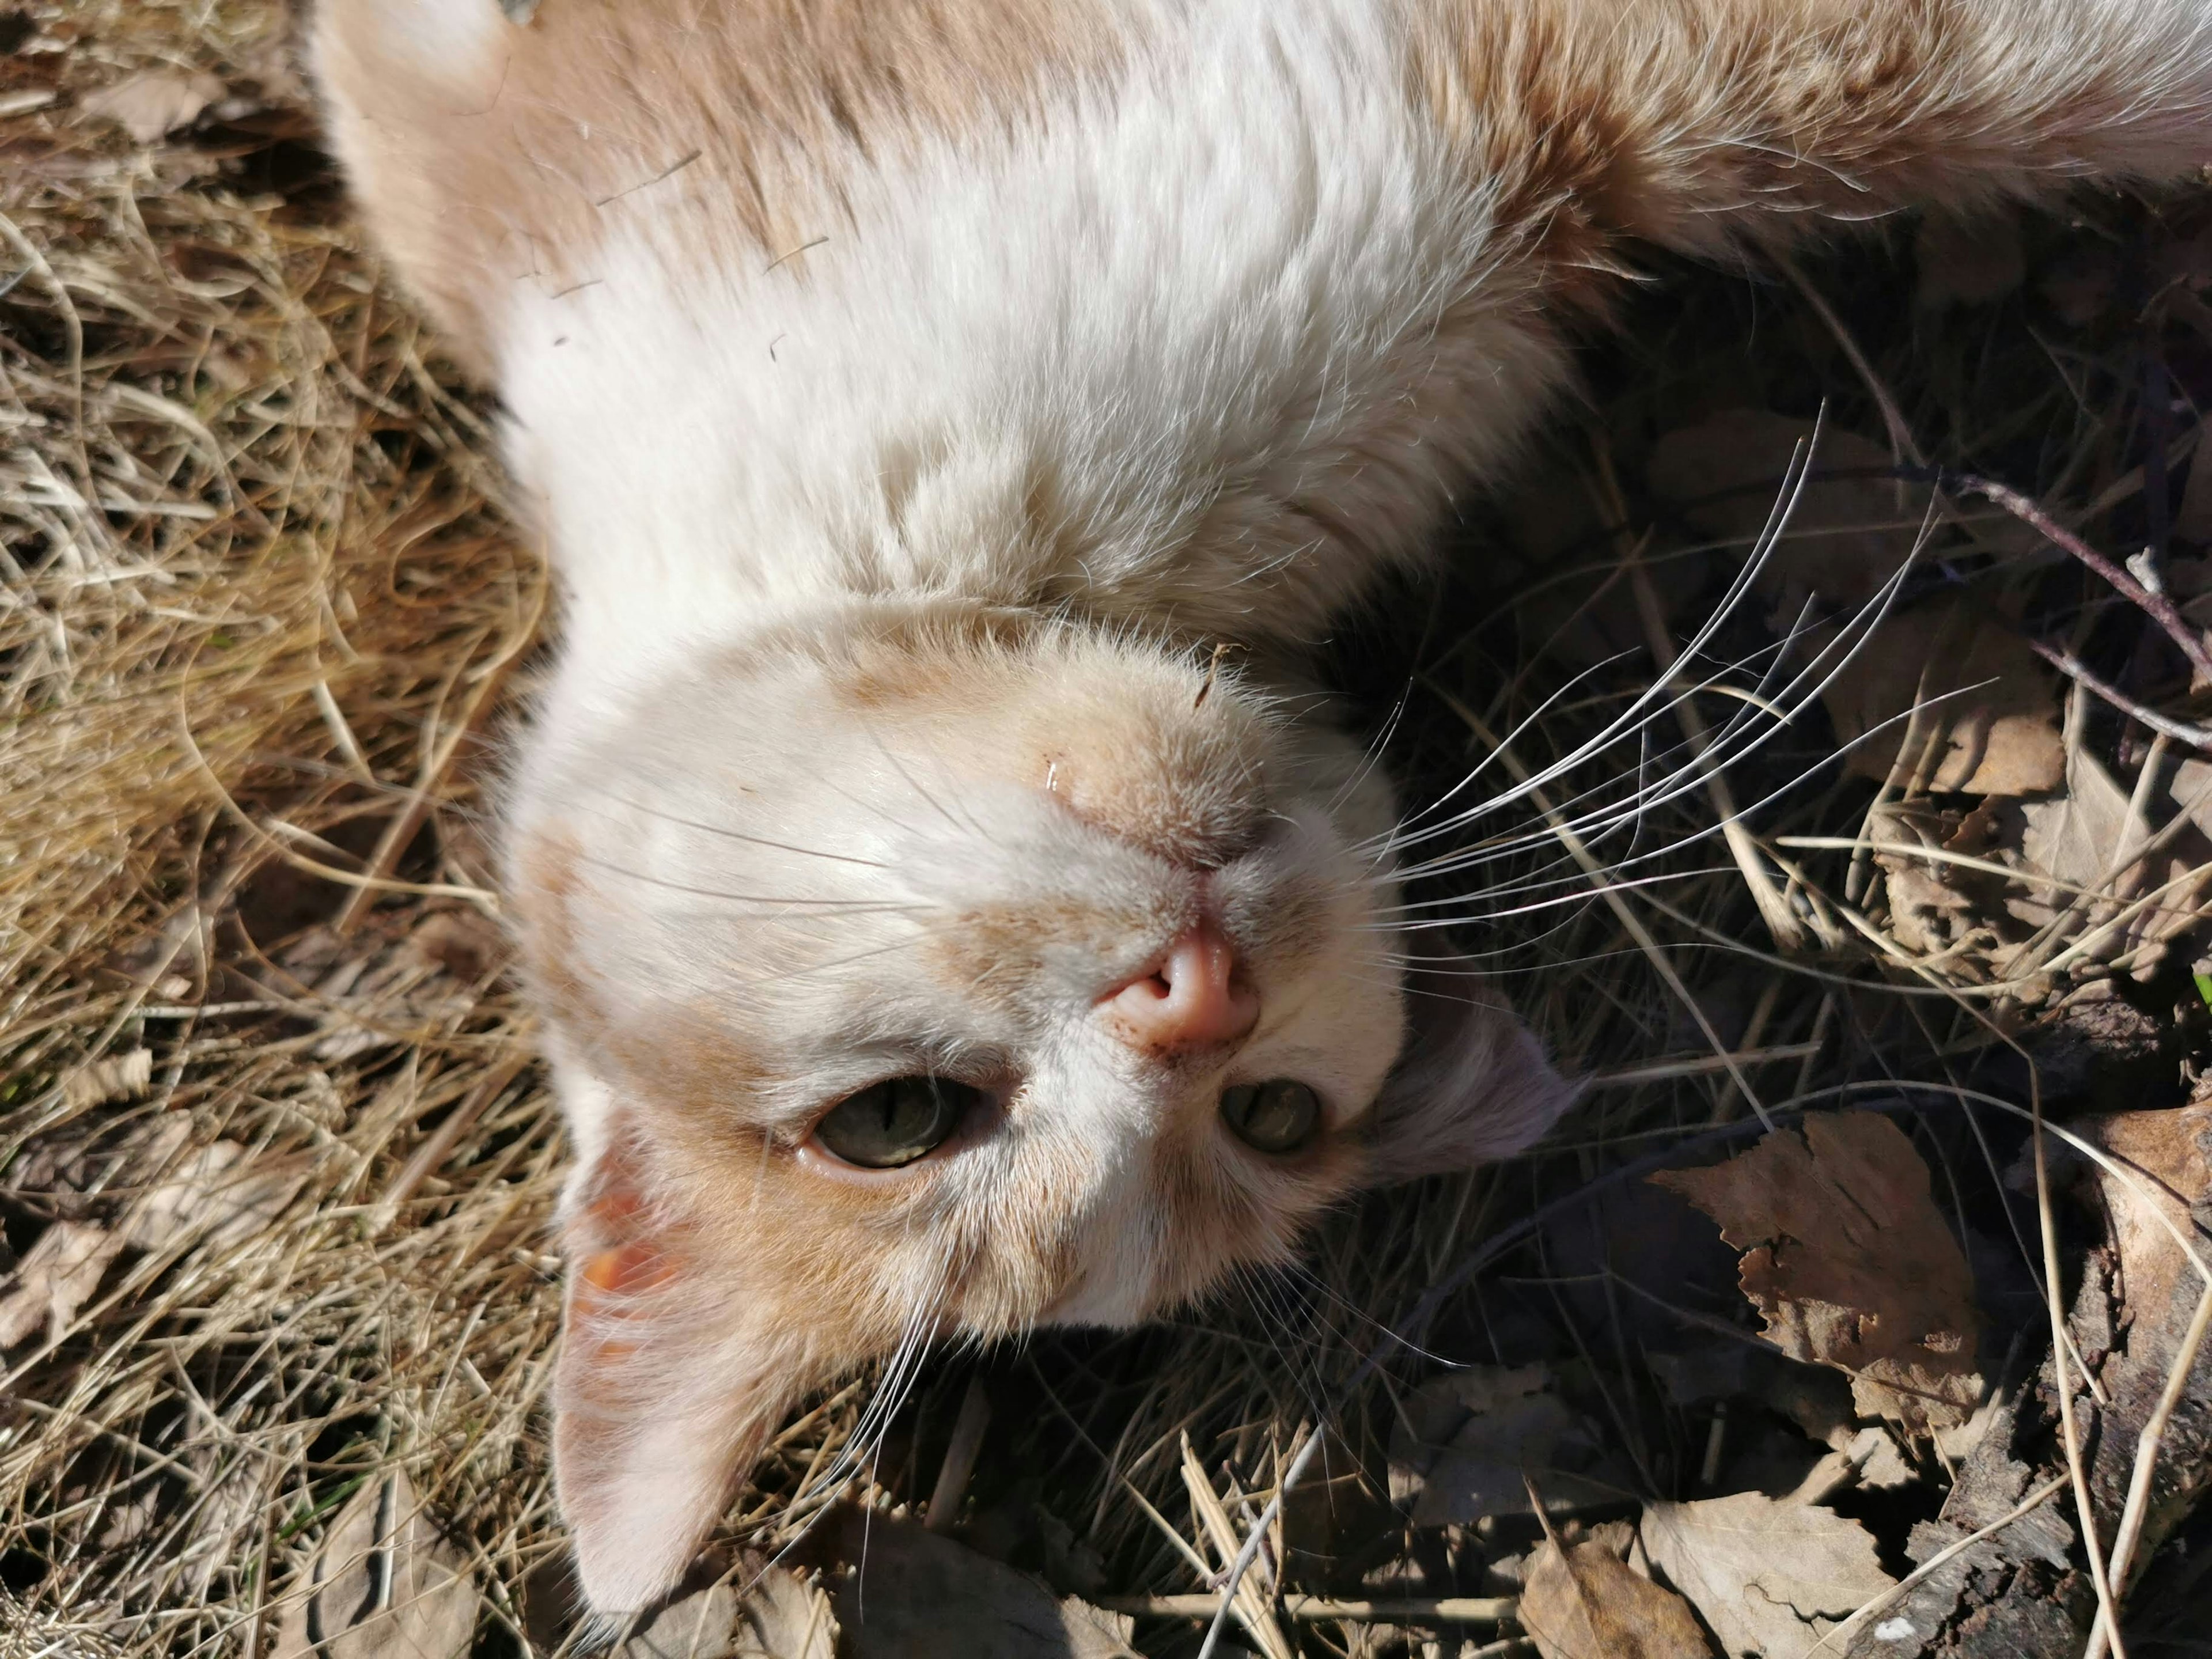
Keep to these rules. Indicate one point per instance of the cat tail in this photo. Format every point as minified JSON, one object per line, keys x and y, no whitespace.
{"x":1706,"y":125}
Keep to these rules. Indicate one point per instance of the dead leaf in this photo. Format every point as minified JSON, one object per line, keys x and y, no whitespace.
{"x":56,"y":1277}
{"x":911,"y":1594}
{"x":1471,"y":1440}
{"x":379,"y":989}
{"x":781,"y":1615}
{"x":1584,"y":1602}
{"x":1850,"y":1262}
{"x":701,"y":1625}
{"x":384,"y":1584}
{"x":2089,"y":838}
{"x":1846,"y":537}
{"x":1967,"y":260}
{"x":224,"y":1190}
{"x":786,"y":1617}
{"x":1769,"y":1577}
{"x":1946,"y":695}
{"x":154,"y":103}
{"x":118,"y":1077}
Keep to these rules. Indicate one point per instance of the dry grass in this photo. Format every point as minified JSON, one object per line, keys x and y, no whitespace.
{"x":261,"y":618}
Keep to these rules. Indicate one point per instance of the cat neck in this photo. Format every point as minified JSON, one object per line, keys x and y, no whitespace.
{"x":1205,"y":356}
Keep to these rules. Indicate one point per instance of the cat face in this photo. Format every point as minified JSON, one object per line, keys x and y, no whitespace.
{"x":943,"y":975}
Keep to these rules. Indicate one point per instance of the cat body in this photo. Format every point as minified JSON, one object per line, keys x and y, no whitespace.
{"x":954,"y":426}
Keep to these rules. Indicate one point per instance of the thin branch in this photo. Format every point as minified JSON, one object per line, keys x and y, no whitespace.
{"x":2065,"y":662}
{"x":2158,"y":604}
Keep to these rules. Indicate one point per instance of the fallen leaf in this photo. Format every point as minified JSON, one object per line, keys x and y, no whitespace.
{"x":1584,"y":1602}
{"x":1471,"y":1440}
{"x":1936,"y":907}
{"x":1945,"y":697}
{"x":1846,"y":537}
{"x":911,"y":1594}
{"x":1850,"y":1263}
{"x":154,"y":103}
{"x":383,"y":1585}
{"x":56,"y":1277}
{"x":118,"y":1077}
{"x":1967,"y":260}
{"x":377,"y":989}
{"x":779,"y":1615}
{"x":2090,"y":838}
{"x":701,"y":1625}
{"x":784,"y":1616}
{"x":1769,"y":1577}
{"x":226,"y":1191}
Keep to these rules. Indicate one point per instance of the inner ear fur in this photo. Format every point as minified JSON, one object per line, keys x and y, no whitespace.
{"x":1474,"y":1084}
{"x":660,"y":1403}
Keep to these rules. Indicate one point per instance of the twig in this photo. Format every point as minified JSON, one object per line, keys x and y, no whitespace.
{"x":1448,"y":1610}
{"x":2066,"y":663}
{"x":2086,"y":1513}
{"x":959,"y":1456}
{"x":2157,"y":603}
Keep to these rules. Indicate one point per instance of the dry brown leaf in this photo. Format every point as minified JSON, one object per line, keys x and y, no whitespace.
{"x":155,"y":103}
{"x":786,"y":1617}
{"x":1769,"y":1577}
{"x":384,"y":1584}
{"x":1468,"y":1441}
{"x":701,"y":1625}
{"x":911,"y":1594}
{"x":1846,"y":536}
{"x":1850,"y":1262}
{"x":1946,"y":696}
{"x":1967,"y":260}
{"x":118,"y":1077}
{"x":56,"y":1277}
{"x":781,"y":1615}
{"x":2088,"y":838}
{"x":1585,"y":1603}
{"x":225,"y":1190}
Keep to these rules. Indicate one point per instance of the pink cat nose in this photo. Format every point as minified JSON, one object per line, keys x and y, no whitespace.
{"x":1191,"y":999}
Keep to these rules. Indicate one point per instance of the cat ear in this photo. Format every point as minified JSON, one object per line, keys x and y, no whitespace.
{"x":1472,"y":1086}
{"x":659,"y":1404}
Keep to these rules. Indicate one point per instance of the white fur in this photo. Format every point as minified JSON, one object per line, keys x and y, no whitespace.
{"x":1177,"y":310}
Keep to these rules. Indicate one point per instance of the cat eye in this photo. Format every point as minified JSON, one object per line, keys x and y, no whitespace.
{"x":1277,"y":1116}
{"x":889,"y":1124}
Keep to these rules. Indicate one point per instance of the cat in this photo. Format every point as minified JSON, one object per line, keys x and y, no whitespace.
{"x":950,"y":904}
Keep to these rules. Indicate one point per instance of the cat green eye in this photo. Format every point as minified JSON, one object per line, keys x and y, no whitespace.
{"x":1276,"y":1116}
{"x":891,"y":1123}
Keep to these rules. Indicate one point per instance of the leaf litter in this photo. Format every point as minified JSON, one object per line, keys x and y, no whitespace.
{"x":280,"y":1173}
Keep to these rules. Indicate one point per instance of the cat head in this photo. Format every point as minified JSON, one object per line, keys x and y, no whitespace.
{"x":931,"y":973}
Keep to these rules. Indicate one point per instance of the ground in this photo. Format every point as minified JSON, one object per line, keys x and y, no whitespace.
{"x":279,"y":1164}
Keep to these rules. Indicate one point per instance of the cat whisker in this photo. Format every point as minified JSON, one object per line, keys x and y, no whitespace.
{"x":718,"y":831}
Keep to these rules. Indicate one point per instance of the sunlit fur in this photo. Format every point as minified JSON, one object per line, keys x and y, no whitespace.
{"x":954,"y":422}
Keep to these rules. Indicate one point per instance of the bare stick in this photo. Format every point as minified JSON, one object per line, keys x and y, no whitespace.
{"x":2066,"y":663}
{"x":1448,"y":1610}
{"x":2158,"y":604}
{"x":959,"y":1457}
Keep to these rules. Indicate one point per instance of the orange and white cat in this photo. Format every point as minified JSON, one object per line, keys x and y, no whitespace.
{"x":937,"y":932}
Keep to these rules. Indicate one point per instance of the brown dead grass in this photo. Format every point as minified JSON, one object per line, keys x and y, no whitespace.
{"x":263,"y":617}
